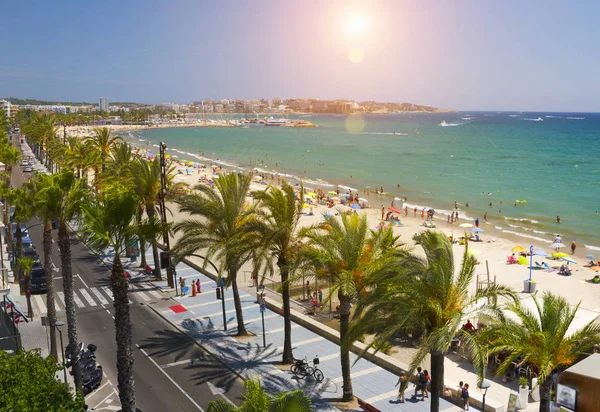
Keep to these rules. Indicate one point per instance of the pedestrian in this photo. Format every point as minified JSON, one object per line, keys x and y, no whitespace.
{"x":456,"y":216}
{"x":401,"y":388}
{"x":417,"y":381}
{"x":320,"y":296}
{"x":477,"y":222}
{"x":415,"y":211}
{"x":465,"y":396}
{"x":382,"y":212}
{"x":460,"y":388}
{"x":405,"y":211}
{"x":485,"y":217}
{"x":198,"y":286}
{"x":425,"y":383}
{"x":557,"y":219}
{"x":182,"y":284}
{"x":573,"y":247}
{"x":308,"y":289}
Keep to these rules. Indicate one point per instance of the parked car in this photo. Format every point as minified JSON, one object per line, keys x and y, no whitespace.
{"x":38,"y":279}
{"x":24,"y":231}
{"x":31,"y":253}
{"x":27,"y":242}
{"x":28,"y":169}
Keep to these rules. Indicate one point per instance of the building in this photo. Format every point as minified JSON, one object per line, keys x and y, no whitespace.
{"x":6,"y":107}
{"x":103,"y":106}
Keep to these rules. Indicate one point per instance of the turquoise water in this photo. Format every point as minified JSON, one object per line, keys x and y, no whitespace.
{"x":476,"y":158}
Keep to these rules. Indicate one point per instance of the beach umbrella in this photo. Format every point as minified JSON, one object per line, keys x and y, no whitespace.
{"x":331,"y":192}
{"x":540,"y":253}
{"x":329,"y":213}
{"x":362,"y":199}
{"x":466,"y":225}
{"x":556,"y":245}
{"x":355,"y":207}
{"x":345,"y":195}
{"x":477,"y":230}
{"x":568,"y":259}
{"x":559,"y":255}
{"x":595,"y":268}
{"x":257,"y":178}
{"x":335,"y":199}
{"x":518,"y":249}
{"x":311,"y":194}
{"x":306,"y":205}
{"x":590,"y":256}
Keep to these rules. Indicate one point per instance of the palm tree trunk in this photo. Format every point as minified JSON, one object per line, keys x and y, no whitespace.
{"x":138,"y":218}
{"x":237,"y":303}
{"x":9,"y":234}
{"x":545,"y":389}
{"x":437,"y":379}
{"x":47,"y":243}
{"x":345,"y":349}
{"x":288,"y":356}
{"x":64,"y":245}
{"x":151,"y":213}
{"x":19,"y":255}
{"x":125,"y":381}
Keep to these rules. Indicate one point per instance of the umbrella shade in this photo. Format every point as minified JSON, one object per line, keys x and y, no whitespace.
{"x":466,"y":225}
{"x":540,"y":253}
{"x":329,"y":213}
{"x":568,"y":259}
{"x":311,"y":194}
{"x":355,"y":207}
{"x":335,"y":199}
{"x":595,"y":268}
{"x":556,"y":245}
{"x":590,"y":256}
{"x":559,"y":255}
{"x":257,"y":178}
{"x":344,"y":195}
{"x":477,"y":230}
{"x":518,"y":249}
{"x":306,"y":205}
{"x":362,"y":199}
{"x":331,"y":192}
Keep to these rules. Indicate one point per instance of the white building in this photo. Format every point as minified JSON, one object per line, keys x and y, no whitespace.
{"x":6,"y":106}
{"x":103,"y":104}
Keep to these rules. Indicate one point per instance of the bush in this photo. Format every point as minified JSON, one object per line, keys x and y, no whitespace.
{"x":384,"y":347}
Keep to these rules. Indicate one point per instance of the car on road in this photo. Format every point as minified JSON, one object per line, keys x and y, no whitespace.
{"x":27,"y":242}
{"x":28,"y":169}
{"x":25,"y":162}
{"x":30,"y":252}
{"x":24,"y":231}
{"x":38,"y":279}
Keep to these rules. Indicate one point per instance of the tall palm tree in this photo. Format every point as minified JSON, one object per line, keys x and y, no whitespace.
{"x":279,"y":213}
{"x":62,"y":196}
{"x":147,"y":186}
{"x":256,"y":399}
{"x":347,"y":253}
{"x":22,"y":200}
{"x":109,"y":221}
{"x":221,"y":225}
{"x":425,"y":296}
{"x":44,"y":209}
{"x":542,"y":337}
{"x":102,"y":142}
{"x":26,"y":264}
{"x":9,"y":155}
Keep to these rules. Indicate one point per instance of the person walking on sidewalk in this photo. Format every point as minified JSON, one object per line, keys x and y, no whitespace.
{"x":465,"y":396}
{"x":401,"y":388}
{"x":417,"y":378}
{"x":198,"y":286}
{"x":182,"y":284}
{"x":425,"y":383}
{"x":320,"y":297}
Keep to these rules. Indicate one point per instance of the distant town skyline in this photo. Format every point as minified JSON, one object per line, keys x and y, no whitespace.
{"x":464,"y":55}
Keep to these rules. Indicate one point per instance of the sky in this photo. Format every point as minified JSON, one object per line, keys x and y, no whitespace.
{"x":462,"y":54}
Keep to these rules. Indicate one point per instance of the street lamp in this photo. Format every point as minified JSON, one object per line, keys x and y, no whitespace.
{"x":485,"y":385}
{"x":57,"y":325}
{"x":263,"y":306}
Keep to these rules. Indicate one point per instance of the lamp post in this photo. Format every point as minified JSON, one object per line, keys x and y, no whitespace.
{"x":263,"y":306}
{"x":221,"y":284}
{"x":57,"y":325}
{"x":485,"y":385}
{"x":163,"y":211}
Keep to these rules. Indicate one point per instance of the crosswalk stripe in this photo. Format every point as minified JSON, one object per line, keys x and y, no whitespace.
{"x":359,"y":373}
{"x":99,"y":296}
{"x":212,"y":302}
{"x":304,"y":342}
{"x":155,"y":293}
{"x":61,"y":297}
{"x":139,"y":292}
{"x":87,"y":297}
{"x":328,"y":357}
{"x":107,"y":290}
{"x":40,"y":302}
{"x":78,"y":301}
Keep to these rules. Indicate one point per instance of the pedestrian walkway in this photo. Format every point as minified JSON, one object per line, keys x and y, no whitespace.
{"x":201,"y":317}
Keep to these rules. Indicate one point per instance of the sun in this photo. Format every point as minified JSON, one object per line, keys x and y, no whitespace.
{"x":356,"y":24}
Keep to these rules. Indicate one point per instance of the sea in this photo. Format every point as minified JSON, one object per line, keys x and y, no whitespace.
{"x":523,"y":169}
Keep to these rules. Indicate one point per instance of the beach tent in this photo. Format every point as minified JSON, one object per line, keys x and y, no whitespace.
{"x":355,"y":207}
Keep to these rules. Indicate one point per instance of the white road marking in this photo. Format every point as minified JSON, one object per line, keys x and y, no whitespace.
{"x":107,"y":290}
{"x":82,"y":281}
{"x":183,"y":362}
{"x":328,"y":357}
{"x":155,"y":293}
{"x":61,"y":297}
{"x":87,"y":297}
{"x":40,"y":302}
{"x":139,"y":292}
{"x":359,"y":373}
{"x":304,"y":342}
{"x":99,"y":296}
{"x":212,"y":302}
{"x":78,"y":301}
{"x":171,"y":379}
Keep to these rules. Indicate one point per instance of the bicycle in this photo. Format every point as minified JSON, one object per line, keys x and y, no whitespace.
{"x":301,"y":368}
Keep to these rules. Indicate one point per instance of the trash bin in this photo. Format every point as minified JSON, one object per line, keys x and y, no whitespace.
{"x":529,"y":286}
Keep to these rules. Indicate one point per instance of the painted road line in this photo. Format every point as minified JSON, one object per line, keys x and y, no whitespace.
{"x":78,"y":301}
{"x":381,"y":397}
{"x":212,"y":302}
{"x":183,"y":362}
{"x":329,"y":357}
{"x":359,"y":373}
{"x":279,"y":330}
{"x":139,"y":292}
{"x":40,"y":303}
{"x":247,"y":321}
{"x":305,"y":342}
{"x":221,"y":312}
{"x":87,"y":297}
{"x":155,"y":293}
{"x":61,"y":297}
{"x":108,"y":292}
{"x":99,"y":296}
{"x":171,"y":379}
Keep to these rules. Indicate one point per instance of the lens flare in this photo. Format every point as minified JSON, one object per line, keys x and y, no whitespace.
{"x":354,"y":124}
{"x":356,"y":55}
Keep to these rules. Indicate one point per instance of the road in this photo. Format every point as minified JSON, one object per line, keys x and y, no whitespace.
{"x":171,"y":372}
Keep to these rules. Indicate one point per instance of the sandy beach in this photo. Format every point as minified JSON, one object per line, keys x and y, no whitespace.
{"x":83,"y":131}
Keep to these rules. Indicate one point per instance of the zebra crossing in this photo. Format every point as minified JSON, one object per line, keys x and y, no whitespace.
{"x":95,"y":297}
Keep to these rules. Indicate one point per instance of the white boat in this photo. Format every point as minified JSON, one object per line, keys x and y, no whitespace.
{"x":276,"y":122}
{"x":443,"y":123}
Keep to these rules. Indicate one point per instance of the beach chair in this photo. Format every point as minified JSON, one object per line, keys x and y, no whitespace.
{"x":539,"y":265}
{"x":546,"y":266}
{"x":398,"y":223}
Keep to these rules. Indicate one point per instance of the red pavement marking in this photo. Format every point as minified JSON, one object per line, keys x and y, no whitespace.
{"x":178,"y":308}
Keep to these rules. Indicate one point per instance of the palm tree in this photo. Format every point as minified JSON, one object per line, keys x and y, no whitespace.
{"x":147,"y":186}
{"x":102,"y":143}
{"x":256,"y":399}
{"x":279,"y":213}
{"x":9,"y":155}
{"x":26,"y":264}
{"x":223,"y":230}
{"x":347,"y":253}
{"x":22,"y":200}
{"x":44,"y":208}
{"x":424,"y":296}
{"x":109,"y":221}
{"x":542,"y":338}
{"x":62,"y":197}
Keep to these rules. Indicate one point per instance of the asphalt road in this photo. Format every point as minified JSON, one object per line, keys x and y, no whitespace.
{"x":172,"y":373}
